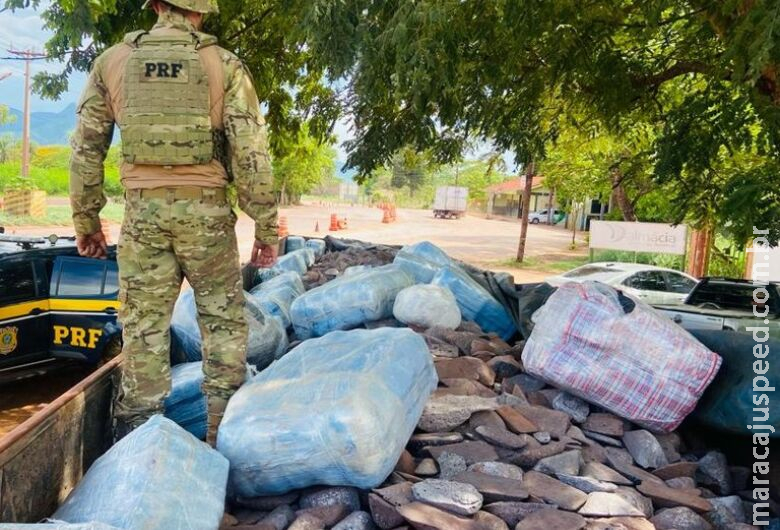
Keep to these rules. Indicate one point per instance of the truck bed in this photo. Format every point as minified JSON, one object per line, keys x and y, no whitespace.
{"x":44,"y":458}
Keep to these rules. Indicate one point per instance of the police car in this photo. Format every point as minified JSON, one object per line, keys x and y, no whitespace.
{"x":55,"y":306}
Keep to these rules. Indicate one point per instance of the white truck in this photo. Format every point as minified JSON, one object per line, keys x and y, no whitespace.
{"x":450,"y":202}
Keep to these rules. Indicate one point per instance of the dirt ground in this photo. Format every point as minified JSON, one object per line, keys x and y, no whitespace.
{"x":487,"y":243}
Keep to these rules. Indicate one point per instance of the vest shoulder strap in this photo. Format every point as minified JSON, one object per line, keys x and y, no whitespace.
{"x":132,"y":38}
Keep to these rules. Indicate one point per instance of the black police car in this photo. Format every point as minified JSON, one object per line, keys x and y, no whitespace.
{"x":54,"y":305}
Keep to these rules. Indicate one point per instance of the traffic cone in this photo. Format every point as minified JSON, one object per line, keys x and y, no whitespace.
{"x":386,"y":217}
{"x":283,"y":230}
{"x":334,"y":223}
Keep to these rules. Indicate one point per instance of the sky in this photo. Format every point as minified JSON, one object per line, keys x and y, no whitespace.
{"x":23,"y":29}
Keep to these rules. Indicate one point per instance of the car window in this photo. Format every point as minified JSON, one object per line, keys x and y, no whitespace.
{"x":728,"y":296}
{"x":112,"y":280}
{"x":646,"y":281}
{"x":679,"y":283}
{"x":82,"y":278}
{"x":17,"y":282}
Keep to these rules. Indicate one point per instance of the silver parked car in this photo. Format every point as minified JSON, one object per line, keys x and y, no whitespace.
{"x":653,"y":285}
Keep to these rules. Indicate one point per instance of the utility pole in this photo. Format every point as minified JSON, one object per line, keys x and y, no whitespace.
{"x":27,"y":56}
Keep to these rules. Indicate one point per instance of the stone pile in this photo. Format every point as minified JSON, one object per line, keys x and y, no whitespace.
{"x":497,"y":449}
{"x":333,"y":264}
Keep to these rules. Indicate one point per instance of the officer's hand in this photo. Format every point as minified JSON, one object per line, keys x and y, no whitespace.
{"x":264,"y":256}
{"x":92,"y":246}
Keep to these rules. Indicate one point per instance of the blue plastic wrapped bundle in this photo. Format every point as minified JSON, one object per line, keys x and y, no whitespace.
{"x":356,"y":269}
{"x":348,"y":301}
{"x":158,"y":476}
{"x":336,"y":410}
{"x":422,"y":260}
{"x":55,"y":525}
{"x":475,"y":302}
{"x":294,"y":243}
{"x":277,"y":294}
{"x":186,"y":404}
{"x":267,"y":336}
{"x":318,"y":246}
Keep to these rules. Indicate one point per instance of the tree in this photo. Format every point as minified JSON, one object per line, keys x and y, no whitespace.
{"x":434,"y":73}
{"x":6,"y":140}
{"x":306,"y":164}
{"x":411,"y":169}
{"x":263,"y":33}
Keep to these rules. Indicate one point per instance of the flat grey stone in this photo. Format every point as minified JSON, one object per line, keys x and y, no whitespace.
{"x":497,"y":469}
{"x":679,"y":519}
{"x":494,"y":489}
{"x":552,"y":518}
{"x":444,"y":413}
{"x":604,"y":473}
{"x":426,"y":468}
{"x":513,"y":512}
{"x":713,"y":472}
{"x":543,"y":437}
{"x":356,"y":521}
{"x":384,"y":514}
{"x":527,"y":382}
{"x":307,"y":522}
{"x":501,"y":437}
{"x":636,"y":499}
{"x":602,"y":438}
{"x":512,"y":400}
{"x":575,"y":407}
{"x":601,"y":504}
{"x":454,"y":497}
{"x":280,"y":518}
{"x":727,"y":512}
{"x":681,"y":483}
{"x":472,"y":452}
{"x":568,"y":463}
{"x":553,"y":491}
{"x":486,"y":418}
{"x":488,"y":521}
{"x":420,"y":441}
{"x":586,"y":484}
{"x":645,"y":449}
{"x":331,"y":497}
{"x":450,"y":464}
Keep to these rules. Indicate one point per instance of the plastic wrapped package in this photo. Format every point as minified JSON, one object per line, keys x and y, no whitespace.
{"x":427,"y":306}
{"x":293,"y":243}
{"x":627,"y":358}
{"x":475,"y":302}
{"x":186,"y":404}
{"x":157,"y":477}
{"x":356,"y":269}
{"x":336,"y":410}
{"x":277,"y":294}
{"x":422,"y":260}
{"x":56,"y":525}
{"x":267,"y":336}
{"x":318,"y":246}
{"x":348,"y":301}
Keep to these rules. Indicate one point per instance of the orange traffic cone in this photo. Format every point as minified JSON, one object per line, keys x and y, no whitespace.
{"x":334,"y":223}
{"x":283,"y":230}
{"x":386,"y":217}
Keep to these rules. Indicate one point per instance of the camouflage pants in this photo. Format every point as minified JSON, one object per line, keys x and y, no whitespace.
{"x":163,"y":240}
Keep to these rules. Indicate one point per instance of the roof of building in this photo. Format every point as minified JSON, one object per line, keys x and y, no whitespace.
{"x":515,"y":185}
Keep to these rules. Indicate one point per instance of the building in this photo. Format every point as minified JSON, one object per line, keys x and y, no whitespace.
{"x":505,"y":199}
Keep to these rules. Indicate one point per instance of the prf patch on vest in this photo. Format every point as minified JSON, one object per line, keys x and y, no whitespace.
{"x":166,"y":118}
{"x":176,"y":72}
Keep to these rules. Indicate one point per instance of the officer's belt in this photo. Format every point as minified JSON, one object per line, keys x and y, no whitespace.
{"x":179,"y":193}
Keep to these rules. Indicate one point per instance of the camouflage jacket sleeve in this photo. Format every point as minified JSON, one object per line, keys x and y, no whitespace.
{"x":248,"y":147}
{"x":90,"y":142}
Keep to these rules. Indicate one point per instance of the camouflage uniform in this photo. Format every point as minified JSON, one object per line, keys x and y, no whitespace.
{"x":177,"y":224}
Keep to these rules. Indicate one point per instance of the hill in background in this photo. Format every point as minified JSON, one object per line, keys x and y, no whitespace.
{"x":46,"y":128}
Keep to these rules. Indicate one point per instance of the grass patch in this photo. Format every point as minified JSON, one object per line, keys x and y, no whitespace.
{"x":60,"y":215}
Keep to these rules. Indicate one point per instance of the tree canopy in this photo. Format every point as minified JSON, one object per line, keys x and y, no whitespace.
{"x":702,"y":75}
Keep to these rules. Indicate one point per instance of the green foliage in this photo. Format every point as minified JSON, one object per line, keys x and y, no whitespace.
{"x":49,"y":171}
{"x":306,"y":165}
{"x":59,"y":215}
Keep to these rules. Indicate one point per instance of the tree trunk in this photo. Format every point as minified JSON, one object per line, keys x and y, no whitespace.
{"x":621,"y":198}
{"x":525,"y":205}
{"x":574,"y":226}
{"x":550,"y":200}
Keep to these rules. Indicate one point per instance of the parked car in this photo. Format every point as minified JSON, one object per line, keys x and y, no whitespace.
{"x":542,"y":216}
{"x":653,"y":285}
{"x":726,"y":304}
{"x":55,"y":306}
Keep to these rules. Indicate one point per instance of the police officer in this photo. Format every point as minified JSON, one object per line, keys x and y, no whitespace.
{"x":179,"y":101}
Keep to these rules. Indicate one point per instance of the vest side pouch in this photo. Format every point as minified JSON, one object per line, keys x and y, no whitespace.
{"x":165,"y":120}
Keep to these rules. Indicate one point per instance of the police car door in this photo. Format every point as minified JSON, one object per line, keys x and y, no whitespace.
{"x":83,"y":306}
{"x":24,"y":314}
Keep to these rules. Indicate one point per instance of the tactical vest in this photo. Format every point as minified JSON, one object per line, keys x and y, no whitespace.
{"x":165,"y":118}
